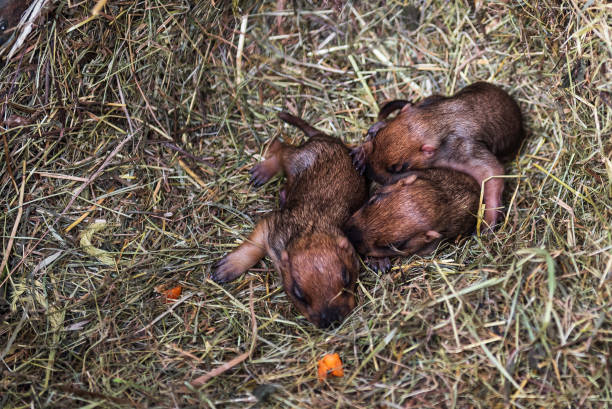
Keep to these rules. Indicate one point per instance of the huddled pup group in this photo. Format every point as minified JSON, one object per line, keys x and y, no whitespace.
{"x":431,"y":160}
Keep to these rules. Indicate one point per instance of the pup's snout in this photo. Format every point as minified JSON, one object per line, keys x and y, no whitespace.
{"x":329,"y":316}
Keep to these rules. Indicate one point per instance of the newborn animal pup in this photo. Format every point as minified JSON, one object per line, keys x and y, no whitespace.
{"x":318,"y":264}
{"x":466,"y":132}
{"x":414,"y":214}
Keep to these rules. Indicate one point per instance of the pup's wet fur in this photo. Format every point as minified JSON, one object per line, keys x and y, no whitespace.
{"x":318,"y":264}
{"x":414,"y":214}
{"x":469,"y":132}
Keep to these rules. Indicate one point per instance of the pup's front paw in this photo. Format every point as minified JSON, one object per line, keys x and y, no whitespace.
{"x":359,"y":158}
{"x":225,"y":271}
{"x":491,"y":219}
{"x":373,"y":130}
{"x":379,"y":264}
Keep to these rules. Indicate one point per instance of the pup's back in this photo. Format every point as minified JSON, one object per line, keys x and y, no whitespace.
{"x":492,"y":114}
{"x":330,"y":189}
{"x":456,"y":195}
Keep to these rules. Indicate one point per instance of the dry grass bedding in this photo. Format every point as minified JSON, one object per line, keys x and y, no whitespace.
{"x":126,"y":142}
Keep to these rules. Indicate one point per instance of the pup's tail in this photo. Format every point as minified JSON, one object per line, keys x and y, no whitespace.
{"x":300,"y":123}
{"x":391,"y":107}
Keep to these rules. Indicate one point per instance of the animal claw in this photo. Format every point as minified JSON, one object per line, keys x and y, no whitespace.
{"x":379,"y":264}
{"x":373,"y":130}
{"x":259,"y":175}
{"x":358,"y":156}
{"x":223,"y":272}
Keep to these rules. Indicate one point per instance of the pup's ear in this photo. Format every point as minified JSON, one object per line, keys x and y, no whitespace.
{"x":408,"y":107}
{"x":428,"y":150}
{"x":342,"y":242}
{"x":432,"y":235}
{"x":408,"y":180}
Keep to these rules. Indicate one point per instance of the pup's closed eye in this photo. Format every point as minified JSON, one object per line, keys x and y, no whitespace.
{"x":399,"y":167}
{"x":398,"y":245}
{"x":346,"y":278}
{"x":298,"y":293}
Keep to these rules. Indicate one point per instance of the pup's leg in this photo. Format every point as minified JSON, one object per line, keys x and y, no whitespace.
{"x":264,"y":171}
{"x":492,"y":198}
{"x":295,"y":160}
{"x":300,"y":123}
{"x":486,"y":166}
{"x":422,"y":243}
{"x":391,"y":107}
{"x":245,"y":256}
{"x":360,"y":153}
{"x":428,"y":248}
{"x":481,"y":164}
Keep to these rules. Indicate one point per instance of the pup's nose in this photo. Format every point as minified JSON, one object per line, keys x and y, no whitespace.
{"x":329,"y":316}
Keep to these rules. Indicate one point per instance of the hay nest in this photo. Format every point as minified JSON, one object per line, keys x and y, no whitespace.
{"x":126,"y":138}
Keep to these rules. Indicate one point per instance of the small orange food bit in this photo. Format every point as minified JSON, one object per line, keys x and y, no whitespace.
{"x":330,"y":364}
{"x":172,"y":294}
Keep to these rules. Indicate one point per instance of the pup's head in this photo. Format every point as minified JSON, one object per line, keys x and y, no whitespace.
{"x":396,"y":220}
{"x":319,"y":274}
{"x":400,"y":145}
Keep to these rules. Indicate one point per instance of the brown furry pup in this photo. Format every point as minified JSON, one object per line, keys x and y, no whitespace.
{"x":318,"y":264}
{"x":466,"y":132}
{"x":414,"y":214}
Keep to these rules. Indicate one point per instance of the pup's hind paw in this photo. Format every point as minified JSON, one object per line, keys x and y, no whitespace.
{"x":261,"y":173}
{"x":491,"y":220}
